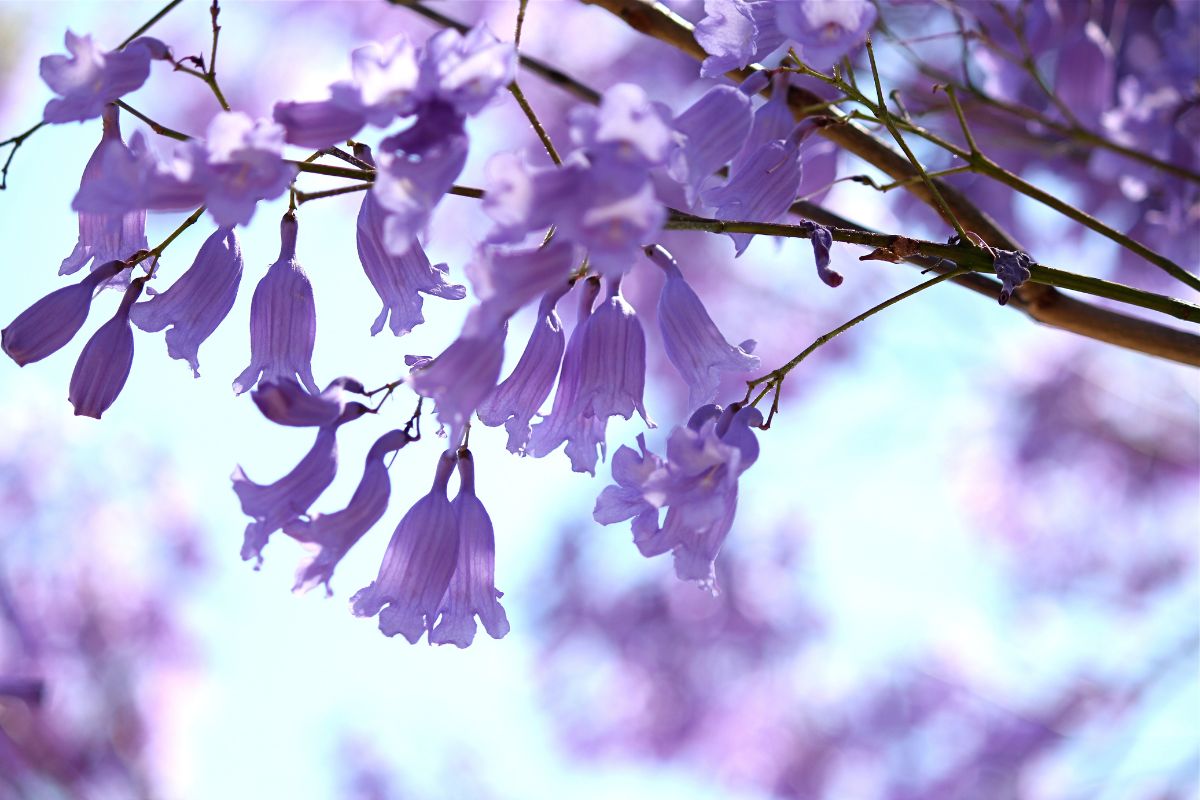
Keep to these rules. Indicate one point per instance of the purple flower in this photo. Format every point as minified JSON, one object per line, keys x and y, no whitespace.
{"x":276,"y":504}
{"x":505,"y":280}
{"x":691,"y":339}
{"x":608,"y":377}
{"x":331,"y":536}
{"x":398,"y":280}
{"x":416,"y":168}
{"x":51,"y":322}
{"x":417,"y":565}
{"x":286,"y":402}
{"x":1012,"y":268}
{"x":735,"y":33}
{"x":825,"y":30}
{"x":514,"y":402}
{"x":283,"y":320}
{"x":465,"y":72}
{"x":465,"y":373}
{"x":472,"y":591}
{"x":697,"y":483}
{"x":136,"y":178}
{"x":761,"y":188}
{"x":89,"y":79}
{"x":199,"y":301}
{"x":105,"y":237}
{"x":714,"y":129}
{"x":103,"y":366}
{"x":822,"y":240}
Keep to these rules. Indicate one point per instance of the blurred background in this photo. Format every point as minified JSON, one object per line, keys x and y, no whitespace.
{"x":964,"y":566}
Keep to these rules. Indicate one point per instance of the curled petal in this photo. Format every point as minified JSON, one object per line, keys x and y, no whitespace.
{"x":286,"y":403}
{"x":89,"y":79}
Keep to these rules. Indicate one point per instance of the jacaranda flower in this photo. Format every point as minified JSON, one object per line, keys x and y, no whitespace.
{"x":104,"y":364}
{"x":691,"y":339}
{"x":713,"y":131}
{"x":104,"y":236}
{"x":506,"y":280}
{"x":825,"y":30}
{"x":822,"y":240}
{"x":286,"y":402}
{"x":47,"y":325}
{"x":465,"y":72}
{"x":472,"y":591}
{"x":417,"y":565}
{"x":736,"y":33}
{"x":199,"y":301}
{"x":283,"y":320}
{"x":276,"y":504}
{"x":330,"y":536}
{"x":89,"y":79}
{"x":1012,"y":268}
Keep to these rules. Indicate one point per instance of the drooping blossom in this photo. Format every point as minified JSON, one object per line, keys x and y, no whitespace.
{"x":239,"y":163}
{"x":1012,"y":268}
{"x":713,"y":131}
{"x":507,"y":279}
{"x":465,"y":373}
{"x":287,"y":403}
{"x":104,"y":236}
{"x":47,"y":325}
{"x":89,"y":79}
{"x":417,"y":565}
{"x":697,"y":483}
{"x":691,"y":339}
{"x":466,"y":72}
{"x":399,"y":280}
{"x":330,"y":536}
{"x":199,"y":301}
{"x":104,"y":364}
{"x":283,"y":320}
{"x":276,"y":504}
{"x":822,"y":241}
{"x":825,"y":30}
{"x":515,"y":401}
{"x":736,"y":33}
{"x":472,"y":591}
{"x":604,"y":374}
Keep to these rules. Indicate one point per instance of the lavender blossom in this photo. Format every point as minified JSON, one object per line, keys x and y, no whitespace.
{"x":626,"y":500}
{"x":762,"y":187}
{"x":287,"y":403}
{"x":736,"y":33}
{"x":105,"y":237}
{"x":276,"y":504}
{"x":89,"y":79}
{"x":465,"y":373}
{"x":822,"y":240}
{"x":472,"y":591}
{"x":465,"y":72}
{"x":283,"y":320}
{"x":47,"y":325}
{"x":199,"y":301}
{"x":417,"y":565}
{"x":104,"y":364}
{"x":399,"y":280}
{"x":505,"y":280}
{"x":514,"y":402}
{"x":691,"y":339}
{"x":1012,"y":268}
{"x":331,"y":536}
{"x":714,"y":129}
{"x":825,"y":30}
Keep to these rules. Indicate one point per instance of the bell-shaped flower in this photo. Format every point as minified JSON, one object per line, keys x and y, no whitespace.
{"x":691,"y":339}
{"x":465,"y":72}
{"x":89,"y":79}
{"x":626,"y":133}
{"x":697,"y":483}
{"x":104,"y":364}
{"x":505,"y":280}
{"x":330,"y":536}
{"x":416,"y":168}
{"x":287,"y":403}
{"x":822,"y":241}
{"x":714,"y":129}
{"x":283,"y":320}
{"x":139,"y":178}
{"x":399,"y":280}
{"x":472,"y":591}
{"x":417,"y":565}
{"x":465,"y":373}
{"x":199,"y":301}
{"x":47,"y":325}
{"x":105,"y":236}
{"x":276,"y":504}
{"x":825,"y":30}
{"x":736,"y":33}
{"x":515,"y":401}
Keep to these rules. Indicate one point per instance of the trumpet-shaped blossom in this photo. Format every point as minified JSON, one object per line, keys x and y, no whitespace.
{"x":465,"y":72}
{"x":47,"y":325}
{"x":276,"y":504}
{"x":89,"y":79}
{"x":399,"y":280}
{"x":515,"y":401}
{"x":417,"y":565}
{"x":465,"y":373}
{"x":691,"y":339}
{"x":104,"y":364}
{"x":713,"y":131}
{"x":283,"y":320}
{"x":505,"y":280}
{"x":697,"y":483}
{"x":104,"y":236}
{"x":761,"y":188}
{"x":736,"y":33}
{"x":825,"y":30}
{"x":199,"y":301}
{"x":287,"y":403}
{"x":472,"y":591}
{"x":330,"y":536}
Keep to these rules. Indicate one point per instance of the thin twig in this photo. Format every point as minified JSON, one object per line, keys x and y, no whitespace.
{"x":157,"y":127}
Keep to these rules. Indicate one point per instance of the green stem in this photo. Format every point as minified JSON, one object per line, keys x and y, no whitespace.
{"x":161,"y":130}
{"x":519,"y":96}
